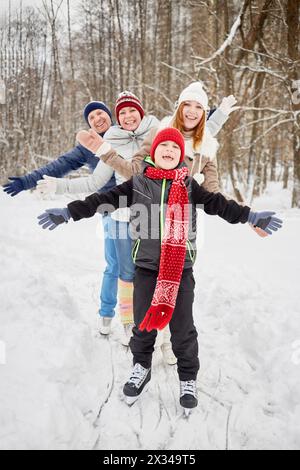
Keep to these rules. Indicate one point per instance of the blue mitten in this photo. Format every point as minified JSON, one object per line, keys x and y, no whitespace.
{"x":54,"y":217}
{"x":265,"y":220}
{"x":15,"y":187}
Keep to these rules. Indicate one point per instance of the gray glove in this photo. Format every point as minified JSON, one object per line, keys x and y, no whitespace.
{"x":265,"y":220}
{"x":52,"y":218}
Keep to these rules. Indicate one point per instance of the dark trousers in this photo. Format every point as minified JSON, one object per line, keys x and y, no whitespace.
{"x":182,"y":328}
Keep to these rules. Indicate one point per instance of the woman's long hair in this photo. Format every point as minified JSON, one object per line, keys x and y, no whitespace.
{"x":198,"y":131}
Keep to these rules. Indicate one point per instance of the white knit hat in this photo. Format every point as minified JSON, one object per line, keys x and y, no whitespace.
{"x":194,"y":92}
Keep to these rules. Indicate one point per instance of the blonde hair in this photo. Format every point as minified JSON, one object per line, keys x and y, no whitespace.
{"x":198,"y":131}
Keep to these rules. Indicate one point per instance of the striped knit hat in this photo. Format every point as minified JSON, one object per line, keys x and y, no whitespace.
{"x":169,"y":133}
{"x":126,"y":98}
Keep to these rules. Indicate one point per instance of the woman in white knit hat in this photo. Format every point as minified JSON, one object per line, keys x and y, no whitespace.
{"x":190,"y":118}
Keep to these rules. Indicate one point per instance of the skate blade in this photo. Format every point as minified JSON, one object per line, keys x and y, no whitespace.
{"x":104,"y":333}
{"x":131,"y":400}
{"x":187,"y":412}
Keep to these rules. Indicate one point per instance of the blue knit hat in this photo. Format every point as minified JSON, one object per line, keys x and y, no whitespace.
{"x":95,"y":105}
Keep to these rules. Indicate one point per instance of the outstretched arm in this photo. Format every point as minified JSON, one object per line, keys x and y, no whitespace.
{"x":86,"y":184}
{"x":58,"y":168}
{"x":120,"y":196}
{"x":219,"y":117}
{"x":232,"y":212}
{"x":217,"y":204}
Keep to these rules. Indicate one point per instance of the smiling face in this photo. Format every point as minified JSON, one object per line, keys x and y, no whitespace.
{"x":192,"y":113}
{"x":99,"y":121}
{"x":129,"y":118}
{"x":167,"y":155}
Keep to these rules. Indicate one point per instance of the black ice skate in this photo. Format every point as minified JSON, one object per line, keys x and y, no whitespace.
{"x":188,"y":396}
{"x":137,"y":383}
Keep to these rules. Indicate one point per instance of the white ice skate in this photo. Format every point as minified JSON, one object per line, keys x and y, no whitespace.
{"x":126,"y":334}
{"x":104,"y":325}
{"x":168,"y":355}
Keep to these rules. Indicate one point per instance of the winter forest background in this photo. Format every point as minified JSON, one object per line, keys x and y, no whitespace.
{"x":57,"y":55}
{"x":60,"y":380}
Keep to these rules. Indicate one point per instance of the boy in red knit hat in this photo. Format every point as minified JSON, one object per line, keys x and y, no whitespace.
{"x":164,"y":254}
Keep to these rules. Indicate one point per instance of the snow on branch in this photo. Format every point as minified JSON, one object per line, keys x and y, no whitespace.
{"x":279,"y":123}
{"x":273,"y":110}
{"x":227,"y":41}
{"x":260,"y":69}
{"x":268,"y":55}
{"x":156,"y":90}
{"x":178,"y":70}
{"x":256,"y":121}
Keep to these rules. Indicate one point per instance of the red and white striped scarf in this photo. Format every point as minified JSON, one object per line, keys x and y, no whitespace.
{"x":173,"y":250}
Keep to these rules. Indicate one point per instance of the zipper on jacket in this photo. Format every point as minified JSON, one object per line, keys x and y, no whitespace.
{"x":191,"y":251}
{"x":162,"y":200}
{"x":135,"y":249}
{"x":149,"y":160}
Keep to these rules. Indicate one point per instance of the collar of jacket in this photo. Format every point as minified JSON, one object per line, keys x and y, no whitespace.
{"x":208,"y":147}
{"x":116,"y":135}
{"x":148,"y":162}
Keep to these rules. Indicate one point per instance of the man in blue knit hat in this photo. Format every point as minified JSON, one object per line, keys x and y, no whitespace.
{"x":98,"y":116}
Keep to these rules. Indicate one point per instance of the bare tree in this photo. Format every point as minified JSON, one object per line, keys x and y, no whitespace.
{"x":293,"y":24}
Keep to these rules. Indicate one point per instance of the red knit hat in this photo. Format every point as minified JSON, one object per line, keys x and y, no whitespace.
{"x":128,"y":99}
{"x":169,"y":133}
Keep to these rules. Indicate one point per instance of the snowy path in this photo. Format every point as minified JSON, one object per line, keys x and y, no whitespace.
{"x":61,"y":383}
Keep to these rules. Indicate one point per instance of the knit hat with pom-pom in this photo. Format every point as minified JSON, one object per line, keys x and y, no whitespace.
{"x":169,"y":133}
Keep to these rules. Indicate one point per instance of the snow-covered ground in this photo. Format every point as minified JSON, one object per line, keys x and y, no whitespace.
{"x":61,"y":383}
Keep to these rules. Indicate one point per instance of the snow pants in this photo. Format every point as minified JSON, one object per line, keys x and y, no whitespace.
{"x":183,"y":332}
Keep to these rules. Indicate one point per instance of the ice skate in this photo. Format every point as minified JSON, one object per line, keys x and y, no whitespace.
{"x":168,"y":355}
{"x":126,"y":334}
{"x":188,"y":396}
{"x":104,"y":325}
{"x":137,"y":384}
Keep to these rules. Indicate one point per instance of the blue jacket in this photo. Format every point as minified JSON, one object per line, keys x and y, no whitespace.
{"x":70,"y":161}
